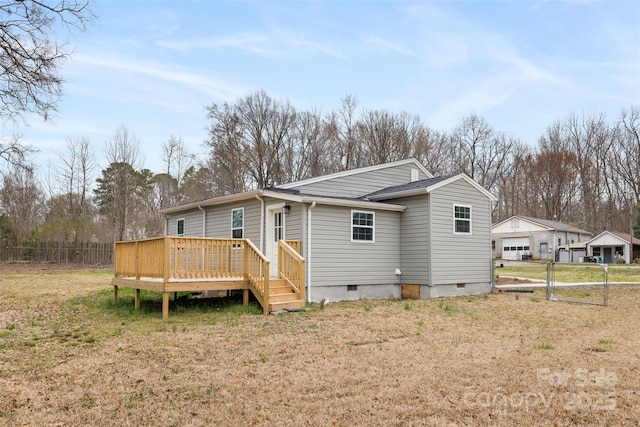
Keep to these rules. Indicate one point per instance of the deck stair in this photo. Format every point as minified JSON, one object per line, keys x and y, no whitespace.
{"x":282,"y":296}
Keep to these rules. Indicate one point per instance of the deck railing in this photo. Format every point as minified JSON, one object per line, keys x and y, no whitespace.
{"x":180,"y":258}
{"x":291,"y":267}
{"x":166,"y":259}
{"x":295,"y":245}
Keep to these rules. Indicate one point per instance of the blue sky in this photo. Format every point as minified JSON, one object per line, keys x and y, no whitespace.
{"x":153,"y":66}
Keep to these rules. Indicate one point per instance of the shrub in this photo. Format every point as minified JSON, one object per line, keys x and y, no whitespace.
{"x":620,"y":261}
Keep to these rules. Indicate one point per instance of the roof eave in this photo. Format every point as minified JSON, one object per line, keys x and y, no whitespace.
{"x":354,"y":203}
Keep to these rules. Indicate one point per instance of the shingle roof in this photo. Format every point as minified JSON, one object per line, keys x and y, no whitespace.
{"x":625,"y":237}
{"x":423,"y":183}
{"x":556,"y":225}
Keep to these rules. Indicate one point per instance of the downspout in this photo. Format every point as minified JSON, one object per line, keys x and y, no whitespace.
{"x":313,"y":205}
{"x":259,"y":197}
{"x":204,"y":221}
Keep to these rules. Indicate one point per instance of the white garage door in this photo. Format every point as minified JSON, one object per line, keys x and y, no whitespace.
{"x":514,"y":248}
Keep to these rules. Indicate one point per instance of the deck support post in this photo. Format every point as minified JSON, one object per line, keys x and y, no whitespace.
{"x":115,"y":294}
{"x":165,"y":305}
{"x":136,"y":299}
{"x":245,"y":297}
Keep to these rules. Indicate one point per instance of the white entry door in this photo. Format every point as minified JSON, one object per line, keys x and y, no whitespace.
{"x":275,"y":232}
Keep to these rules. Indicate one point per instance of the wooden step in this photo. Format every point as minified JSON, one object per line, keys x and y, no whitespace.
{"x":279,"y":306}
{"x":283,"y":297}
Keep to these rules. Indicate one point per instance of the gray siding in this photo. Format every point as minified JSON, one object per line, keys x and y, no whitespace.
{"x":192,"y":223}
{"x":219,"y":220}
{"x":362,"y":183}
{"x":293,"y":222}
{"x":336,"y":261}
{"x":457,"y":258}
{"x":414,"y":235}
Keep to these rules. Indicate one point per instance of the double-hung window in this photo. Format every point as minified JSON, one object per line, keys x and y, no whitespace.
{"x":237,"y":223}
{"x":362,"y":226}
{"x":461,"y":219}
{"x":180,"y":227}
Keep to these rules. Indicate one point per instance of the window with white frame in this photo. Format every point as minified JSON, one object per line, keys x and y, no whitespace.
{"x":461,"y":219}
{"x":180,"y":227}
{"x":237,"y":223}
{"x":362,"y":226}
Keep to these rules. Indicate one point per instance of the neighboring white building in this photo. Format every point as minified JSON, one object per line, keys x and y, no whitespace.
{"x":610,"y":246}
{"x":521,"y":238}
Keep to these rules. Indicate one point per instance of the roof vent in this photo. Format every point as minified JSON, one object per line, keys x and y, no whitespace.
{"x":414,"y":175}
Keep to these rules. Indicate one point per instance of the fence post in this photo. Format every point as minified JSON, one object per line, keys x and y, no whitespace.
{"x":548,"y":281}
{"x":493,"y":275}
{"x":605,"y":267}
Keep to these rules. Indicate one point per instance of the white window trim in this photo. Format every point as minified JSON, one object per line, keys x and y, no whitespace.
{"x":184,"y":224}
{"x":237,"y":228}
{"x":373,"y":227}
{"x":462,"y":219}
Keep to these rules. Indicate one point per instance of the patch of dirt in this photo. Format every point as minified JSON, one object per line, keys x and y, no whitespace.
{"x":512,"y":281}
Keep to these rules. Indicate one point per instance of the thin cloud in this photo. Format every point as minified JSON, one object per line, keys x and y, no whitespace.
{"x":248,"y":42}
{"x":389,"y":46}
{"x":217,"y":86}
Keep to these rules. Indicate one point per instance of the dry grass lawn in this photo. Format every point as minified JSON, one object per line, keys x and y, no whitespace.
{"x":69,"y":357}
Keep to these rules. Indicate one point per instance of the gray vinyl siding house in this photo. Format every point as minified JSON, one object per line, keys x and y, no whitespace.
{"x":365,"y":233}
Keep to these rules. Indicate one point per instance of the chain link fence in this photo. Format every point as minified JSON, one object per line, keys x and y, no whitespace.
{"x":584,"y":283}
{"x":578,"y":283}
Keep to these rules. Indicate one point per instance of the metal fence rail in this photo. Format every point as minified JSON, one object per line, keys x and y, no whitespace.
{"x":578,"y":283}
{"x":584,"y":283}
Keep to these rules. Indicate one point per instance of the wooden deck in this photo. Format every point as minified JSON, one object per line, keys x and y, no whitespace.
{"x":189,"y":264}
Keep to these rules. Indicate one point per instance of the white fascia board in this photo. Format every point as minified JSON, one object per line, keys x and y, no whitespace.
{"x":211,"y":202}
{"x":418,"y":191}
{"x":355,"y":172}
{"x":282,"y":196}
{"x":354,"y":204}
{"x":466,"y":178}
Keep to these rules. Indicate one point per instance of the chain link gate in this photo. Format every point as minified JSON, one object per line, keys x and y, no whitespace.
{"x":578,"y":283}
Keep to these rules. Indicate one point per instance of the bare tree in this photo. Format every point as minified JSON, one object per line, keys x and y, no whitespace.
{"x":31,"y":57}
{"x":248,"y":138}
{"x":22,"y":200}
{"x":480,"y":152}
{"x":74,"y":175}
{"x":306,"y":153}
{"x":341,"y":129}
{"x":177,"y":161}
{"x":119,"y":182}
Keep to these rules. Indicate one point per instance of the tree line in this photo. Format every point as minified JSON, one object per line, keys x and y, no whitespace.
{"x":584,"y":169}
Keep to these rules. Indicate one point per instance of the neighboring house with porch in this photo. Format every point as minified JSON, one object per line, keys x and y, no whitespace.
{"x":610,"y":246}
{"x":522,"y":237}
{"x":382,"y":231}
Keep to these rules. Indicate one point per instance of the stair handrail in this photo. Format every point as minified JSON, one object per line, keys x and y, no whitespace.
{"x":257,"y":273}
{"x":292,"y":268}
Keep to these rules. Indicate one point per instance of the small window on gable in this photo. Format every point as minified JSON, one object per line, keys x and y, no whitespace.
{"x":237,"y":223}
{"x":180,"y":227}
{"x":461,"y":219}
{"x":362,"y":226}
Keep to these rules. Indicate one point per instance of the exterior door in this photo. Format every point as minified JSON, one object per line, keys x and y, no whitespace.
{"x":275,"y":232}
{"x":607,"y":256}
{"x":544,"y":250}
